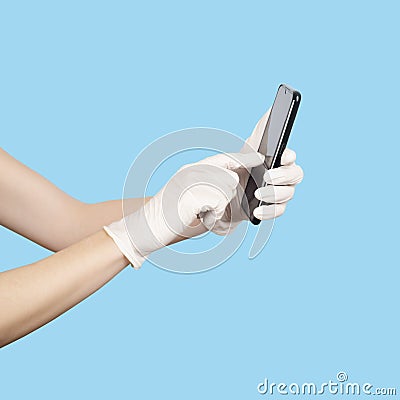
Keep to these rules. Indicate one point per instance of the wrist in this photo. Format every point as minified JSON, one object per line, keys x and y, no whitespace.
{"x":119,"y":235}
{"x":116,"y":260}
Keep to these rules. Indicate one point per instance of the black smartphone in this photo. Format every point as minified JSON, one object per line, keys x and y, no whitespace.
{"x":272,"y":145}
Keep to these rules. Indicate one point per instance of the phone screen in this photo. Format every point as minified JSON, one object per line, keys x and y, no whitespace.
{"x":272,"y":144}
{"x":275,"y":125}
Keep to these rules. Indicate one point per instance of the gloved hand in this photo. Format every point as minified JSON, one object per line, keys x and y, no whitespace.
{"x":278,"y":191}
{"x":201,"y":190}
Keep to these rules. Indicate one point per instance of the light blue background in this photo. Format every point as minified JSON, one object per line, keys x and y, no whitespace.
{"x":84,"y":86}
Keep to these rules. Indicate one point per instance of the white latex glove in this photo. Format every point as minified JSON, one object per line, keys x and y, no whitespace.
{"x":201,"y":190}
{"x":278,"y":191}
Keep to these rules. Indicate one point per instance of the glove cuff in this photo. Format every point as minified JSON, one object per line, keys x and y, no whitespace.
{"x":119,"y":234}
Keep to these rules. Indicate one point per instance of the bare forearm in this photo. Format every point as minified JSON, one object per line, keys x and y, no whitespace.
{"x":33,"y":295}
{"x":89,"y":218}
{"x":35,"y":208}
{"x":93,"y":217}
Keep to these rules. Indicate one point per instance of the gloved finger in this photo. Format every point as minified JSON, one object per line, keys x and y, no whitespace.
{"x":234,"y":161}
{"x":254,"y":140}
{"x":269,"y":212}
{"x":288,"y":157}
{"x":287,"y":175}
{"x":213,"y":187}
{"x":205,"y":171}
{"x":274,"y":194}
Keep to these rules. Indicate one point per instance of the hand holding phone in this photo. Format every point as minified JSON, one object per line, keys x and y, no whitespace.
{"x":272,"y":145}
{"x":271,"y":199}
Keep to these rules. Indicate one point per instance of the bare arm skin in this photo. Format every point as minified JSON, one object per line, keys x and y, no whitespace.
{"x":35,"y":208}
{"x":32,"y":295}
